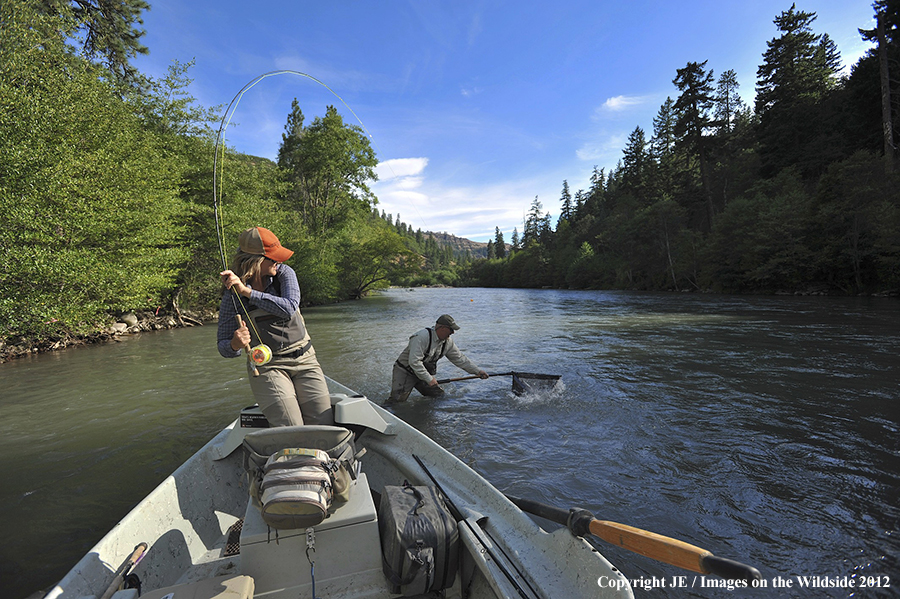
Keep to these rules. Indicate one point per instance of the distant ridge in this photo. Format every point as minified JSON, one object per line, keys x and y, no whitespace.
{"x":459,"y":244}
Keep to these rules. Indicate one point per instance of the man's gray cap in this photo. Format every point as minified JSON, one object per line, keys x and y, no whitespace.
{"x":447,"y":321}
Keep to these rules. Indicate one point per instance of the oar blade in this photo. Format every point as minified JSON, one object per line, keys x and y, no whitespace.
{"x":649,"y":544}
{"x":730,"y":569}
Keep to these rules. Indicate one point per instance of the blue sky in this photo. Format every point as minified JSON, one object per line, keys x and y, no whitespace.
{"x":474,"y":108}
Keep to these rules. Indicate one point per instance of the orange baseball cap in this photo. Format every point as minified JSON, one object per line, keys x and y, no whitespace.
{"x":263,"y":242}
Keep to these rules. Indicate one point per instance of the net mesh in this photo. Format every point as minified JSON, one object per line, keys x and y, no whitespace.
{"x":526,"y":382}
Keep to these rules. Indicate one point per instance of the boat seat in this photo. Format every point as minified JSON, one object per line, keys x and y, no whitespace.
{"x":347,"y":552}
{"x":232,"y":586}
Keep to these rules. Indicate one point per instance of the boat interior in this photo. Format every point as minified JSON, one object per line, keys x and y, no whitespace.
{"x":206,"y":538}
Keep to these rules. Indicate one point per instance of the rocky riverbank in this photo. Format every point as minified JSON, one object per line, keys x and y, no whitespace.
{"x":130,"y":323}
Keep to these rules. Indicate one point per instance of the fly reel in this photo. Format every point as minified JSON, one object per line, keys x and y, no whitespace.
{"x":261,"y":354}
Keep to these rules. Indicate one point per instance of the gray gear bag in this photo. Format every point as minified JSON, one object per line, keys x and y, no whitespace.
{"x":419,"y":540}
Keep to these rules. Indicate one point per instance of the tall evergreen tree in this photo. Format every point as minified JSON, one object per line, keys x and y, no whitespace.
{"x":579,"y":204}
{"x":499,"y":243}
{"x":887,"y":19}
{"x":533,"y":222}
{"x":567,"y":209}
{"x":662,"y":143}
{"x":799,"y":69}
{"x":692,"y":108}
{"x":635,"y":162}
{"x":594,"y":202}
{"x":728,"y":103}
{"x":291,"y":138}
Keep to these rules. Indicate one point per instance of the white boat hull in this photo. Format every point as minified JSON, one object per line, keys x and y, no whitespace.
{"x":187,"y":519}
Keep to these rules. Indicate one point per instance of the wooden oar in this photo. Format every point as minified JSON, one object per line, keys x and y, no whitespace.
{"x":649,"y":544}
{"x":473,"y":376}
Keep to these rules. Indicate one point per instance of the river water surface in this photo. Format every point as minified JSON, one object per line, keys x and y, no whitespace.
{"x":764,"y":429}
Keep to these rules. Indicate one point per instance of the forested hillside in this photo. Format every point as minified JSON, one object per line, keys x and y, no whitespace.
{"x":106,"y":199}
{"x":106,"y":185}
{"x":797,"y":193}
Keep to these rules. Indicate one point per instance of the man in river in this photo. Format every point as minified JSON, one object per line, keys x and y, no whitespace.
{"x":417,"y":364}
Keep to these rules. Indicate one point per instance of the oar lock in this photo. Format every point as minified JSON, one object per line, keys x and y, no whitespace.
{"x":579,"y":522}
{"x":261,"y":354}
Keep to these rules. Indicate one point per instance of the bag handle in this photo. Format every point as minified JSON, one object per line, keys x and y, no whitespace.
{"x":419,"y":497}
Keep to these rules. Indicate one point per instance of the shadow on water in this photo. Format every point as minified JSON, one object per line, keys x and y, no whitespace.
{"x":764,"y":429}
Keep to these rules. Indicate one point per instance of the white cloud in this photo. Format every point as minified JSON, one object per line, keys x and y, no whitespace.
{"x":409,"y":183}
{"x":400,"y":167}
{"x":620,"y":103}
{"x":471,"y":211}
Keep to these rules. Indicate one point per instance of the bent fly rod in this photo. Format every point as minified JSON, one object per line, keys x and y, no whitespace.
{"x":260,"y":354}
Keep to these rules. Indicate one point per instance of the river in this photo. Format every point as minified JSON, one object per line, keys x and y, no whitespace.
{"x":764,"y":429}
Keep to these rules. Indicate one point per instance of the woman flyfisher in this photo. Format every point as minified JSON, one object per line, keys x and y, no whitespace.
{"x":291,"y":387}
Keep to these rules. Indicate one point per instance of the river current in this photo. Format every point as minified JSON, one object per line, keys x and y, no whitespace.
{"x":764,"y":429}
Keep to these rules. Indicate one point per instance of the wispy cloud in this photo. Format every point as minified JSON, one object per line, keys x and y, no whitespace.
{"x":472,"y":211}
{"x":605,"y":149}
{"x":619,"y":104}
{"x":400,"y":168}
{"x":476,"y":26}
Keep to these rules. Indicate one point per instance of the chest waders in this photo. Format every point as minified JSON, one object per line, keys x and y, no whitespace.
{"x":285,"y":336}
{"x":430,"y":365}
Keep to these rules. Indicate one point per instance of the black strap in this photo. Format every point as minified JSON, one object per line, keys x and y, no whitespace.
{"x":443,"y":345}
{"x":419,"y":498}
{"x":431,"y":365}
{"x":296,"y":353}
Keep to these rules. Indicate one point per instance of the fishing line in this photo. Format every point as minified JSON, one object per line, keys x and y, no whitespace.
{"x":220,"y":138}
{"x":226,"y":121}
{"x":260,"y":354}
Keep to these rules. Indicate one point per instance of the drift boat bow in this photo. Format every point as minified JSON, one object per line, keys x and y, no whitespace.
{"x":205,"y":538}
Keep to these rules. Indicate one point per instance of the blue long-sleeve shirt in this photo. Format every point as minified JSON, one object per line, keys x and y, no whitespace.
{"x":281,"y":298}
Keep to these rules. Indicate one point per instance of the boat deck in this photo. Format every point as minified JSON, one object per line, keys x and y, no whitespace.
{"x":200,"y":524}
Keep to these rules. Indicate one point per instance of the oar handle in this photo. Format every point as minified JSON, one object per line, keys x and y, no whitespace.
{"x":247,"y":347}
{"x":472,"y":376}
{"x":672,"y":551}
{"x":665,"y":549}
{"x":123,"y":570}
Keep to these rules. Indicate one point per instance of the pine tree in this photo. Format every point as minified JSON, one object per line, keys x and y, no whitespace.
{"x":662,"y":143}
{"x":635,"y":161}
{"x":533,"y":222}
{"x":728,"y":103}
{"x":799,"y":70}
{"x":692,"y":108}
{"x":566,"y":200}
{"x":887,"y":19}
{"x":290,"y":139}
{"x":111,"y":33}
{"x":499,"y":244}
{"x":579,"y":204}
